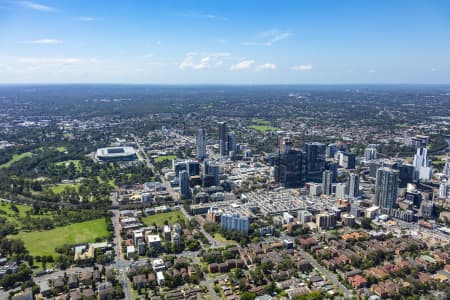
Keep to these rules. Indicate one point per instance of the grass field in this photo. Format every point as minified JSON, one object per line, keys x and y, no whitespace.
{"x":61,"y":149}
{"x":222,"y":239}
{"x":45,"y":242}
{"x":16,"y":158}
{"x":11,"y":215}
{"x":59,"y":188}
{"x":257,"y":121}
{"x":158,"y":219}
{"x":263,"y":128}
{"x":165,"y":157}
{"x":66,"y":163}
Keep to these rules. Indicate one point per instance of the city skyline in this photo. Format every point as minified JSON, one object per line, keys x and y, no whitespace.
{"x":201,"y":42}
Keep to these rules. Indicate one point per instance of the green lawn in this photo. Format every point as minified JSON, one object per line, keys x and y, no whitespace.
{"x":45,"y":242}
{"x":222,"y":239}
{"x":11,"y":215}
{"x":263,"y":128}
{"x":59,"y":188}
{"x":158,"y":219}
{"x":257,"y":121}
{"x":16,"y":158}
{"x":61,"y":149}
{"x":165,"y":157}
{"x":66,"y":163}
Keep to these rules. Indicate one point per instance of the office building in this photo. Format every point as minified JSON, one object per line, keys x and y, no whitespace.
{"x":406,"y":174}
{"x":327,"y":181}
{"x":355,"y":209}
{"x":304,"y":216}
{"x":315,"y":189}
{"x":446,"y":169}
{"x":223,"y":139}
{"x":415,"y":197}
{"x":201,"y":143}
{"x":330,"y":151}
{"x":348,"y":220}
{"x":340,"y":190}
{"x":348,"y":160}
{"x":179,"y":165}
{"x":290,"y":168}
{"x":287,"y":218}
{"x":185,"y":190}
{"x":353,"y":190}
{"x":386,"y":188}
{"x":419,"y":141}
{"x":211,"y":176}
{"x":326,"y":220}
{"x":333,"y":167}
{"x":234,"y":222}
{"x":444,"y":188}
{"x":231,"y":143}
{"x":315,"y":160}
{"x":192,"y":167}
{"x":422,"y":165}
{"x":427,"y":209}
{"x":370,"y":153}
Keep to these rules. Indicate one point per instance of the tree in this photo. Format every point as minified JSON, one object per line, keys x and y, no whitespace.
{"x":366,"y":223}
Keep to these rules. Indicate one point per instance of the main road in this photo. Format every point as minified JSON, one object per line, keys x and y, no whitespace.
{"x":120,"y":263}
{"x":175,"y":196}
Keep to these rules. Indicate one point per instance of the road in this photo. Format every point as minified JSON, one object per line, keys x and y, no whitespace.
{"x":149,"y":164}
{"x":208,"y":282}
{"x":120,"y":263}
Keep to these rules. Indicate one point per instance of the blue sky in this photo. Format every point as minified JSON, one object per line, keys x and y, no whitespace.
{"x":229,"y":42}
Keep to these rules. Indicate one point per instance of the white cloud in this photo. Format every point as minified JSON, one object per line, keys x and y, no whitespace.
{"x":46,"y":42}
{"x":302,"y":68}
{"x":36,"y":6}
{"x":193,"y":61}
{"x":266,"y":67}
{"x":49,"y":60}
{"x":199,"y":15}
{"x":86,"y":19}
{"x":371,"y":71}
{"x":242,"y":65}
{"x":268,"y":38}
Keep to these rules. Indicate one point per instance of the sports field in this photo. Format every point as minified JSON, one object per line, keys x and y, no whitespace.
{"x":45,"y":242}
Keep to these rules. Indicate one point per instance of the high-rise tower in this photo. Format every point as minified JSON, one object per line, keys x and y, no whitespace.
{"x":201,"y":143}
{"x":353,"y":190}
{"x":386,"y":188}
{"x":223,"y":139}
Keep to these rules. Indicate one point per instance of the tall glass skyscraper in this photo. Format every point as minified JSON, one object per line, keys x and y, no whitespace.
{"x":386,"y":188}
{"x":223,"y":139}
{"x":201,"y":143}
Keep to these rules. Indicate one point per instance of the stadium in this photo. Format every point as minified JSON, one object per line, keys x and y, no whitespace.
{"x":112,"y":154}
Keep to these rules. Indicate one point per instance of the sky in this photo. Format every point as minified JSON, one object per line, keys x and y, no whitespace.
{"x":225,"y":42}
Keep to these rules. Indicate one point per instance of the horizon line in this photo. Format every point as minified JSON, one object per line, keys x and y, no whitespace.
{"x":222,"y":84}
